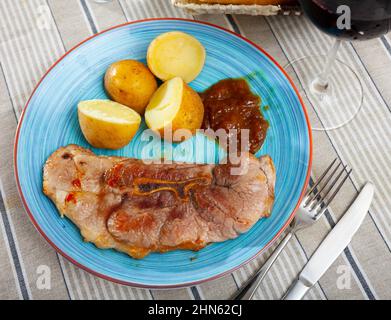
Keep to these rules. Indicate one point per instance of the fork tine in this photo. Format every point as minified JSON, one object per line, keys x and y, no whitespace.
{"x":327,"y":203}
{"x":313,"y":198}
{"x":322,"y":198}
{"x":321,"y":177}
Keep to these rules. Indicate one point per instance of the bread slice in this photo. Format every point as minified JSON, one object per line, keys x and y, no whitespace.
{"x":243,"y":2}
{"x":246,"y":7}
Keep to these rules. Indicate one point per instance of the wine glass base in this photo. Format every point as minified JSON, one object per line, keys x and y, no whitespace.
{"x":335,"y":104}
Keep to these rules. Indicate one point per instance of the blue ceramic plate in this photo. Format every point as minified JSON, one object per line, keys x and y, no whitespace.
{"x":49,"y":121}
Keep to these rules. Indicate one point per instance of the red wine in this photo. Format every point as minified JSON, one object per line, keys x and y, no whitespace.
{"x":369,"y":18}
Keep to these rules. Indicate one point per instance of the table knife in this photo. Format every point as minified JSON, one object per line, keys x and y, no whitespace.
{"x":333,"y":245}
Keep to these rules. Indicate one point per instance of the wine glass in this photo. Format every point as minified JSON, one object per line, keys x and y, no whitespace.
{"x":319,"y":77}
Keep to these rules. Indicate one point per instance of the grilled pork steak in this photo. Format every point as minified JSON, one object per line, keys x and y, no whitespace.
{"x":139,"y":208}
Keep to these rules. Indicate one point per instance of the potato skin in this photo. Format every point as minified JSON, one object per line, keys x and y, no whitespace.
{"x":130,"y":83}
{"x":190,"y":114}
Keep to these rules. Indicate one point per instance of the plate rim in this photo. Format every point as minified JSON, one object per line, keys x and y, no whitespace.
{"x":178,"y":285}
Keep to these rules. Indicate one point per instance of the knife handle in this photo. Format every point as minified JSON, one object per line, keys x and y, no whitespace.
{"x":296,"y":291}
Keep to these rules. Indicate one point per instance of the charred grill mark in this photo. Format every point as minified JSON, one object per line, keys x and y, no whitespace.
{"x":147,"y":186}
{"x":67,"y":156}
{"x":124,"y":196}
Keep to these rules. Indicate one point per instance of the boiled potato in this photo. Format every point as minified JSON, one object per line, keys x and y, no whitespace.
{"x":107,"y":124}
{"x":176,"y":54}
{"x":177,"y":105}
{"x":130,"y":82}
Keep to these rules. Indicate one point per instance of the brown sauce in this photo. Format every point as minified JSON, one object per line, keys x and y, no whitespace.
{"x":230,"y":104}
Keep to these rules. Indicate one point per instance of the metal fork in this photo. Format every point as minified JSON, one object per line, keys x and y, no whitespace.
{"x":312,"y":207}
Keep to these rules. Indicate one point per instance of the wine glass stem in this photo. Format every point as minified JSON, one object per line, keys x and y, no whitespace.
{"x":322,"y":80}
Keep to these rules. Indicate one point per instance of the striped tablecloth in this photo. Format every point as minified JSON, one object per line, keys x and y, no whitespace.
{"x":34,"y":33}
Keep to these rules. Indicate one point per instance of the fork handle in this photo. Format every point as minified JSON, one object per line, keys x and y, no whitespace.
{"x":248,"y":290}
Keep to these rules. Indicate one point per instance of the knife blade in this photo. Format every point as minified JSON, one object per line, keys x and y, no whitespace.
{"x":333,"y":245}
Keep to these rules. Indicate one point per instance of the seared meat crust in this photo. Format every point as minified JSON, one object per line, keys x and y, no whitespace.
{"x":140,"y":208}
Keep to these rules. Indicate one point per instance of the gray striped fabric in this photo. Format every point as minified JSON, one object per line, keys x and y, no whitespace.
{"x":34,"y":33}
